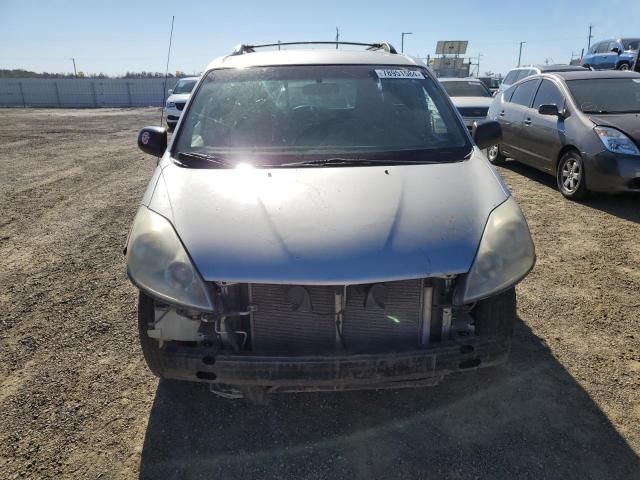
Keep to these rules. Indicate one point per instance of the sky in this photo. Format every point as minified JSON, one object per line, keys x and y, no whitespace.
{"x":117,"y":36}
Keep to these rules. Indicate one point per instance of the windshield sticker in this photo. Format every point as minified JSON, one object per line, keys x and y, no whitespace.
{"x":388,"y":73}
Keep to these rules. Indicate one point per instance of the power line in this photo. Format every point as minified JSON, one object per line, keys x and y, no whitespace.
{"x":166,"y":72}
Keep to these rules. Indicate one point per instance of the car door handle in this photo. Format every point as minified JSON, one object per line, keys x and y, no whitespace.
{"x":527,"y":122}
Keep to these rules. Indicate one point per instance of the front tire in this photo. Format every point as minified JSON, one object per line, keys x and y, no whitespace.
{"x":624,"y":66}
{"x":150,"y":347}
{"x":495,"y":156}
{"x":570,"y":176}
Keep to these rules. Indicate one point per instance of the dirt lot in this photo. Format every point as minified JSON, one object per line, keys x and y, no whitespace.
{"x":78,"y":402}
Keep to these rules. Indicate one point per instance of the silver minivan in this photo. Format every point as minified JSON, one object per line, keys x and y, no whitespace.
{"x":323,"y":220}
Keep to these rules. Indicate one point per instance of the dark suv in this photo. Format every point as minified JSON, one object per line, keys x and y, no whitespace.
{"x":621,"y":54}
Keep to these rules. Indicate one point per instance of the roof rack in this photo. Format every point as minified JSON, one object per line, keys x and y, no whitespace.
{"x":244,"y":48}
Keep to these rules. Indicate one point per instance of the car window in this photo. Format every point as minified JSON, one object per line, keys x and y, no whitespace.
{"x":524,"y":73}
{"x":320,"y":110}
{"x":509,"y":93}
{"x":511,"y":77}
{"x":612,"y":45}
{"x":631,"y":43}
{"x":548,"y":94}
{"x":466,"y":88}
{"x":184,"y":86}
{"x":603,"y":47}
{"x":524,"y":93}
{"x":594,"y":48}
{"x":606,"y":95}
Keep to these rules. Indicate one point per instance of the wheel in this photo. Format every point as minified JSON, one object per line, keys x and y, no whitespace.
{"x":150,"y":346}
{"x":624,"y":66}
{"x":495,"y":156}
{"x":496,"y":316}
{"x":571,"y":177}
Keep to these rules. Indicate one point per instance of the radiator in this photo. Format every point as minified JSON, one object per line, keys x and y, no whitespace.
{"x":277,"y":328}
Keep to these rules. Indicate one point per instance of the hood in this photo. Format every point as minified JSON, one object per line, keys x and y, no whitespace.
{"x":628,"y":123}
{"x":467,"y":102}
{"x":178,"y":97}
{"x":344,"y":225}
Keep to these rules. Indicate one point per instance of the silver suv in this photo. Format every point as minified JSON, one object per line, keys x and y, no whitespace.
{"x":322,"y":220}
{"x":519,"y":73}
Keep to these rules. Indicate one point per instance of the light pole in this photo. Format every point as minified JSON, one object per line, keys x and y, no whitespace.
{"x":75,"y":72}
{"x":402,"y":41}
{"x":520,"y":54}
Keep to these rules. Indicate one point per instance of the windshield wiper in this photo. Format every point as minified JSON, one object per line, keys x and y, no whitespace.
{"x":213,"y":159}
{"x":346,"y":162}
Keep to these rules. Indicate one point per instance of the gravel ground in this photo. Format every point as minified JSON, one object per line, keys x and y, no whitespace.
{"x":78,"y":402}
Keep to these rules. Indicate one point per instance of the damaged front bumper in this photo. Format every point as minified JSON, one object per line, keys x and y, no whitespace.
{"x":334,"y":372}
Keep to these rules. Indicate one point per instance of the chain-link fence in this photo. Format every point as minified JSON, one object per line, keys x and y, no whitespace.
{"x":83,"y":92}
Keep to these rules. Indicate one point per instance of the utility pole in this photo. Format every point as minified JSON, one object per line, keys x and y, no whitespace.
{"x":402,"y":41}
{"x":337,"y":37}
{"x":590,"y":37}
{"x":478,"y":72}
{"x":75,"y":72}
{"x":520,"y":54}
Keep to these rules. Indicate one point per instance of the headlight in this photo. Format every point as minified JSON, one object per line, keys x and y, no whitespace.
{"x":506,"y":254}
{"x":615,"y":141}
{"x":170,"y":104}
{"x":158,"y":263}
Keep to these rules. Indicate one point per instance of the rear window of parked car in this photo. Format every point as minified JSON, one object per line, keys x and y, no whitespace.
{"x":511,"y":77}
{"x":631,"y":43}
{"x":524,"y":93}
{"x":548,"y":94}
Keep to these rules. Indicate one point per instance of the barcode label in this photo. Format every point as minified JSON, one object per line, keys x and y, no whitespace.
{"x":394,"y":73}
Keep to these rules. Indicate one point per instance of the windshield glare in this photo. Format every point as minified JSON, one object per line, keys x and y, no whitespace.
{"x":184,"y":86}
{"x":321,"y":110}
{"x":466,"y":89}
{"x":606,"y":95}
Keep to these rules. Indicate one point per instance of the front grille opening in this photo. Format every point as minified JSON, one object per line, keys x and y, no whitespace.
{"x":286,"y":320}
{"x":634,"y":184}
{"x":472,"y":363}
{"x":206,"y":375}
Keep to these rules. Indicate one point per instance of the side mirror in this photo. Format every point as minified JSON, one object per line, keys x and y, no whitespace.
{"x":549,"y":109}
{"x":170,"y":91}
{"x":153,"y":140}
{"x":616,"y":50}
{"x":486,"y":133}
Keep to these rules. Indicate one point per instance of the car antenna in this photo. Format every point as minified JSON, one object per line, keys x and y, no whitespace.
{"x":166,"y":72}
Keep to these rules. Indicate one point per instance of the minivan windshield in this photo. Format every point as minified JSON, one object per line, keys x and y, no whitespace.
{"x":466,"y":88}
{"x":274,"y":115}
{"x":184,"y":86}
{"x":606,"y":95}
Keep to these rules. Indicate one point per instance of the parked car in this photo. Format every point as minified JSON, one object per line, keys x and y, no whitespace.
{"x":620,"y":54}
{"x":519,"y":73}
{"x":471,"y":97}
{"x":178,"y":97}
{"x":322,"y":220}
{"x":582,"y":127}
